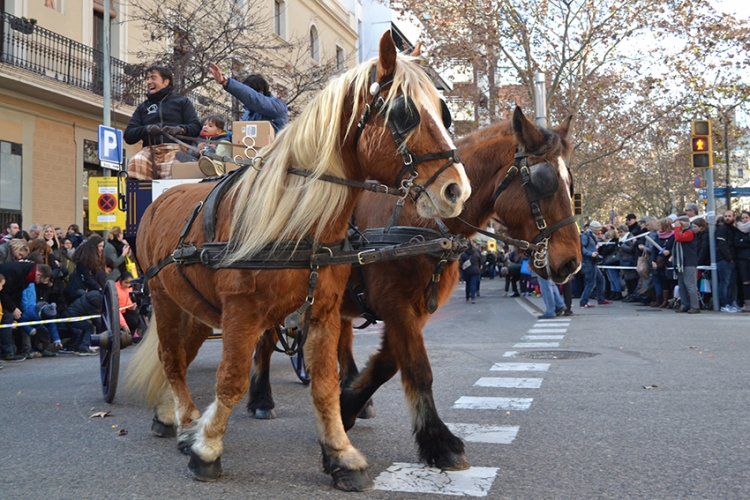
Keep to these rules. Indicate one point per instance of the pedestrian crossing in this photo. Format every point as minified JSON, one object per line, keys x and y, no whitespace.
{"x":477,"y":481}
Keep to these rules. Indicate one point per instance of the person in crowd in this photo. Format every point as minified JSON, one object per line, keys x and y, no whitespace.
{"x":129,"y":319}
{"x":610,"y":257}
{"x":21,"y":234}
{"x":18,"y":276}
{"x":35,"y":231}
{"x":512,"y":270}
{"x":592,"y":276}
{"x":742,"y":247}
{"x":255,"y":95}
{"x":52,"y":293}
{"x":213,"y":139}
{"x":553,"y":302}
{"x":661,"y":251}
{"x":490,"y":265}
{"x":79,"y":332}
{"x":59,"y":233}
{"x":13,"y":250}
{"x":632,"y":222}
{"x":685,"y":262}
{"x":50,"y":238}
{"x":470,"y":262}
{"x":66,"y":254}
{"x":11,"y":228}
{"x":700,"y":228}
{"x":116,"y":249}
{"x":626,"y":248}
{"x":647,"y":238}
{"x":691,"y":210}
{"x":725,"y":260}
{"x":89,"y":274}
{"x":75,"y":236}
{"x":162,"y":111}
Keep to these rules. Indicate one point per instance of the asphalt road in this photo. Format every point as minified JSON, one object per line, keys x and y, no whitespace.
{"x":593,"y":429}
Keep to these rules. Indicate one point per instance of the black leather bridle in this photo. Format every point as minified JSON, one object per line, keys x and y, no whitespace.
{"x":402,"y":117}
{"x":540,"y":181}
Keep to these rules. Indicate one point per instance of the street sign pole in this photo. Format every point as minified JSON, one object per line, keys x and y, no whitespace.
{"x":107,"y":79}
{"x":711,"y":216}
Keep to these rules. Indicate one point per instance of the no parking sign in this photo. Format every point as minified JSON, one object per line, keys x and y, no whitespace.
{"x":103,"y":211}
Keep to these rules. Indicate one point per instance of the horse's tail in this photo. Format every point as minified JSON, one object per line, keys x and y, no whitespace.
{"x":145,"y":375}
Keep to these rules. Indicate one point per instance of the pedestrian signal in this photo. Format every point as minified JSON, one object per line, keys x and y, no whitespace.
{"x":700,"y":144}
{"x":577,"y":204}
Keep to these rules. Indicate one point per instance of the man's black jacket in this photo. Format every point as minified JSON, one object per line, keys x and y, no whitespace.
{"x":162,"y":108}
{"x":18,"y":275}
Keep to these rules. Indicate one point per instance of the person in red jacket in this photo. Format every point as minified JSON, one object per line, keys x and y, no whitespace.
{"x":685,"y":262}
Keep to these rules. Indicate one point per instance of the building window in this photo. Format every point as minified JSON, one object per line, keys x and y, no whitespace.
{"x":339,"y":59}
{"x":740,"y":172}
{"x":279,"y":10}
{"x":10,"y":177}
{"x":360,"y":45}
{"x":314,"y":43}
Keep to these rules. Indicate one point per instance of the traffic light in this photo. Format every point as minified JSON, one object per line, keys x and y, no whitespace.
{"x":577,"y":203}
{"x":700,"y":144}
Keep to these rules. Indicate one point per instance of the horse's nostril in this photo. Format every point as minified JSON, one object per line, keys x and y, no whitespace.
{"x":453,"y":192}
{"x":567,"y":268}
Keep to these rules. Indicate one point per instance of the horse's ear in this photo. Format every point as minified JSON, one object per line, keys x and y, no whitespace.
{"x":417,"y":50}
{"x":564,"y":128}
{"x":527,"y":134}
{"x":387,"y":56}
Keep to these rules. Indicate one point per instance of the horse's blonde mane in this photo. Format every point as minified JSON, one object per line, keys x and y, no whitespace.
{"x":271,"y":205}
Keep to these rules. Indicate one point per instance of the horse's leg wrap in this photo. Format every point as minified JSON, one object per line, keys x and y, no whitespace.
{"x":344,"y":477}
{"x":162,"y":430}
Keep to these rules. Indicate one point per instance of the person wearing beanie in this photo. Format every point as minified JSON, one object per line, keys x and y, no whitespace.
{"x":592,"y":276}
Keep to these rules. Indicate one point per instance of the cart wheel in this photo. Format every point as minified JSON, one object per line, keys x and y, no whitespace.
{"x":109,"y":342}
{"x":298,"y":363}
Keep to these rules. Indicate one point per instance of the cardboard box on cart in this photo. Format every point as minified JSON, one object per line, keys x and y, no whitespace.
{"x":247,"y":135}
{"x":259,"y":135}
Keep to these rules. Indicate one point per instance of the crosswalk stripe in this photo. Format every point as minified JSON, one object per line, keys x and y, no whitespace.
{"x":542,"y":337}
{"x":510,"y":354}
{"x":484,"y":403}
{"x":547,"y":330}
{"x":520,"y":367}
{"x":551,"y":325}
{"x":535,"y":345}
{"x":555,"y":320}
{"x":475,"y":433}
{"x":509,"y":383}
{"x":418,"y":478}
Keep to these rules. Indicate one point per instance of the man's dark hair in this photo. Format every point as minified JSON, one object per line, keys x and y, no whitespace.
{"x":215,"y":119}
{"x":8,"y":224}
{"x":164,"y":72}
{"x":44,"y":270}
{"x":125,"y":275}
{"x":258,"y":83}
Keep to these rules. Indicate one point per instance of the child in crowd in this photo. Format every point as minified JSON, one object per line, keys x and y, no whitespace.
{"x":214,"y":134}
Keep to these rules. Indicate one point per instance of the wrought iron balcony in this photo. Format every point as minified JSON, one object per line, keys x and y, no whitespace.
{"x":43,"y":52}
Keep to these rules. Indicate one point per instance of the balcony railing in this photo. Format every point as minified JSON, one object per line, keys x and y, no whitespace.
{"x":48,"y":54}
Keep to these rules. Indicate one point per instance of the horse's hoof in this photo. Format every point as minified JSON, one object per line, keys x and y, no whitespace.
{"x":163,"y":430}
{"x":368,"y":411}
{"x":204,"y":471}
{"x":263,"y":414}
{"x":352,"y":480}
{"x":452,"y":461}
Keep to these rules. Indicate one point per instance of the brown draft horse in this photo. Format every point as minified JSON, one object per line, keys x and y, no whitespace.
{"x":270,"y":205}
{"x":395,"y":290}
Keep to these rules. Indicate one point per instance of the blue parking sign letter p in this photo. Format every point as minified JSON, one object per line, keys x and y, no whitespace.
{"x":110,"y":144}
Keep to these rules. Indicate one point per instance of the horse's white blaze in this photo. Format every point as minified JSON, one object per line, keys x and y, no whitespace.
{"x":465,"y":184}
{"x":209,"y":450}
{"x":564,"y":175}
